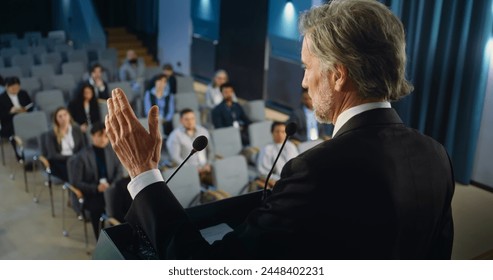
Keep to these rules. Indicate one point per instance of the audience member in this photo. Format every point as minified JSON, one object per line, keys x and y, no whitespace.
{"x":230,"y":113}
{"x":268,"y":154}
{"x":64,"y":140}
{"x":213,"y":95}
{"x":98,"y":169}
{"x":160,"y":95}
{"x":170,"y":73}
{"x":133,"y":70}
{"x":84,"y":107}
{"x":180,"y":141}
{"x":13,"y":101}
{"x":96,"y":81}
{"x":308,"y":128}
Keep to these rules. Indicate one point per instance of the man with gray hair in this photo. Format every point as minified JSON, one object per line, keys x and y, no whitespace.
{"x":376,"y":190}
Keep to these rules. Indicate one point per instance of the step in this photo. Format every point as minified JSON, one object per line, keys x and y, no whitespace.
{"x":126,"y":45}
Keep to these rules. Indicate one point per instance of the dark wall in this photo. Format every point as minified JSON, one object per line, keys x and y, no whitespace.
{"x":19,"y":16}
{"x":241,"y":48}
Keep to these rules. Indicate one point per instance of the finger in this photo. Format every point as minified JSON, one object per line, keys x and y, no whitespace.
{"x":120,"y":116}
{"x":109,"y":130}
{"x":125,"y":107}
{"x":112,"y":117}
{"x":154,"y":124}
{"x":153,"y":121}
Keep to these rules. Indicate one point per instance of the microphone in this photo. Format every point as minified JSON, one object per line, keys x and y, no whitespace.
{"x":198,"y":145}
{"x":290,"y":130}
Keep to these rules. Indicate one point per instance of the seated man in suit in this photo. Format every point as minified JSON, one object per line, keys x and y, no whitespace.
{"x":179,"y":145}
{"x":230,"y":113}
{"x":101,"y":89}
{"x":97,"y":169}
{"x":376,"y":190}
{"x":13,"y":101}
{"x":307,"y":126}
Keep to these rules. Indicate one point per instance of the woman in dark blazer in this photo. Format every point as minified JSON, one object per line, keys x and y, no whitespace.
{"x":84,"y":107}
{"x":63,"y":141}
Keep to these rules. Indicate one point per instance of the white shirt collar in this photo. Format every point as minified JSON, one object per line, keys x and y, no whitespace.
{"x":345,"y":116}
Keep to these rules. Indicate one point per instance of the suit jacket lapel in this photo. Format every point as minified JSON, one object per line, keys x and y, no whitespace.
{"x":109,"y":163}
{"x":371,"y":117}
{"x":92,"y":162}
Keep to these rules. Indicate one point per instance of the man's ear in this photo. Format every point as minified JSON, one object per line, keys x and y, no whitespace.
{"x":340,"y":77}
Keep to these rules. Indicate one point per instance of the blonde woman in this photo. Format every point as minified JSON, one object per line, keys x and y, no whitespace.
{"x":63,"y":141}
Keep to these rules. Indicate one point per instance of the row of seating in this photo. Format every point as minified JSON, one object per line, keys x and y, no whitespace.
{"x":32,"y":38}
{"x":32,"y":64}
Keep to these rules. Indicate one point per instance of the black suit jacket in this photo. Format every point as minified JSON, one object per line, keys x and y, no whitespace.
{"x":5,"y":115}
{"x":377,"y":190}
{"x":222,"y":115}
{"x":298,"y":117}
{"x":86,"y":176}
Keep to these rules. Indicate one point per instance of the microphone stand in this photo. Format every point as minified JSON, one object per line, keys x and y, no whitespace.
{"x":266,"y":192}
{"x":183,"y":162}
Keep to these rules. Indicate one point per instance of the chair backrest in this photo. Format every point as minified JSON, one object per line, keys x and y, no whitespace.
{"x":255,"y":110}
{"x":24,"y":61}
{"x":230,"y":174}
{"x":259,"y":134}
{"x":150,"y":72}
{"x":21,"y":44}
{"x":303,"y":146}
{"x":54,"y":59}
{"x":31,"y":125}
{"x":78,"y":55}
{"x":48,"y":101}
{"x":109,"y":68}
{"x":31,"y":85}
{"x":227,"y":141}
{"x":33,"y":36}
{"x":7,"y":54}
{"x":49,"y":43}
{"x":37,"y":51}
{"x":11,"y":71}
{"x":58,"y":35}
{"x":184,"y":84}
{"x":108,"y":53}
{"x":42,"y":70}
{"x":66,"y":83}
{"x":63,"y":49}
{"x":103,"y":108}
{"x":186,"y":100}
{"x":185,"y":185}
{"x":77,"y":70}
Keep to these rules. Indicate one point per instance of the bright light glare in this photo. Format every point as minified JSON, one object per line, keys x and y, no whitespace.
{"x":289,"y":11}
{"x":288,"y":21}
{"x":205,"y":11}
{"x":489,"y":49}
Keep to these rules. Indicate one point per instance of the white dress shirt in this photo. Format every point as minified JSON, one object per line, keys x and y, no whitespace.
{"x":345,"y":116}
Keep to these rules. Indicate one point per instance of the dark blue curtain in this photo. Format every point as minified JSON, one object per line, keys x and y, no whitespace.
{"x":448,"y":65}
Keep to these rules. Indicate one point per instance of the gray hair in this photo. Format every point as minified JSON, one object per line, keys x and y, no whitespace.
{"x":366,"y":38}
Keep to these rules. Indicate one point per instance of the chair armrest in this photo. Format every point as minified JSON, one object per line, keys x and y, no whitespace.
{"x":18,"y":146}
{"x":46,"y":164}
{"x":112,"y":221}
{"x":78,"y":193}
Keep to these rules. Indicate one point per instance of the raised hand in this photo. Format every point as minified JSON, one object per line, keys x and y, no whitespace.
{"x":137,"y":149}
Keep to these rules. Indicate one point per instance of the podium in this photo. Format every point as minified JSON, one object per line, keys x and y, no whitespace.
{"x":231,"y":211}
